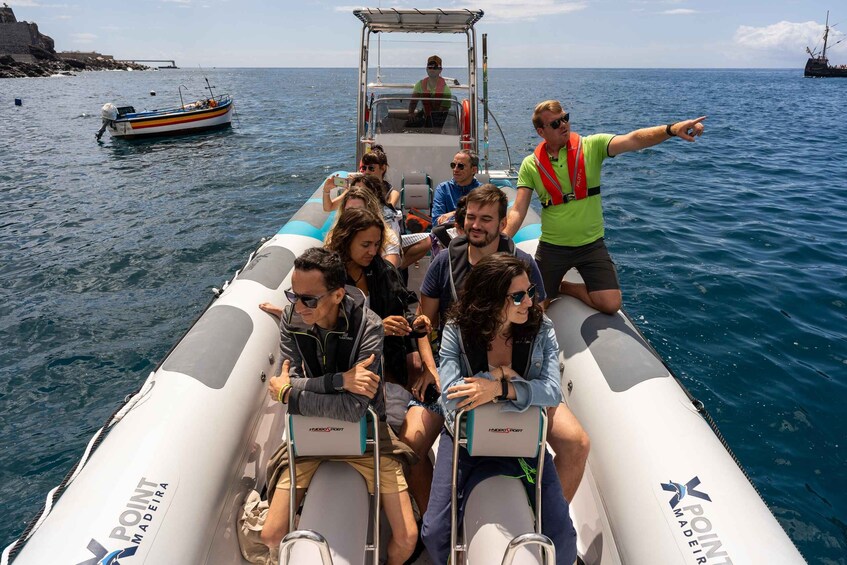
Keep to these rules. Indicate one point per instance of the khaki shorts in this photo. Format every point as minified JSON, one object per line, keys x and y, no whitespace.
{"x":391,"y":478}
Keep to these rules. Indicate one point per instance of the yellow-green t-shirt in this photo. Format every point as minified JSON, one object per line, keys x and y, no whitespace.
{"x":579,"y":222}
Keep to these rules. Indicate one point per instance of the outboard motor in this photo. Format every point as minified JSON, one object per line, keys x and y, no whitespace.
{"x":109,"y":113}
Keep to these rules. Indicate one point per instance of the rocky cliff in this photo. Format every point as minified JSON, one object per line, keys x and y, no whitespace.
{"x":26,"y":52}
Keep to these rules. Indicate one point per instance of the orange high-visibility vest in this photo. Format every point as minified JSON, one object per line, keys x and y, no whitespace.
{"x":576,"y":167}
{"x":439,"y":93}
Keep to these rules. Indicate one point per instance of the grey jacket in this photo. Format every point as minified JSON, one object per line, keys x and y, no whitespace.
{"x":317,"y":364}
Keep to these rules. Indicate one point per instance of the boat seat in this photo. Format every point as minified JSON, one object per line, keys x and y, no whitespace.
{"x":494,"y":433}
{"x":483,"y":178}
{"x":497,"y":510}
{"x":313,"y":436}
{"x":416,"y":192}
{"x":486,"y":539}
{"x":337,"y":509}
{"x":336,"y":505}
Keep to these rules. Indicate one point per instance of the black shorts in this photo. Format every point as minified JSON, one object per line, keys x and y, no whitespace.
{"x":592,"y":261}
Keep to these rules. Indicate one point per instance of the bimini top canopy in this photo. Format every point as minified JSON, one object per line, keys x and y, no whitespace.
{"x":421,"y":21}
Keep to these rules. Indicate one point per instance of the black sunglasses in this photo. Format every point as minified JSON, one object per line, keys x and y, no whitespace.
{"x":517,"y":297}
{"x":432,"y":66}
{"x":460,"y":166}
{"x":307,"y":300}
{"x":558,"y":121}
{"x":370,"y":168}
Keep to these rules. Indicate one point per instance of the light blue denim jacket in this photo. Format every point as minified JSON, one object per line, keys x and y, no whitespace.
{"x":541,"y":387}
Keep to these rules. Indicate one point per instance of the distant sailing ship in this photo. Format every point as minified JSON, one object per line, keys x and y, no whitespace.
{"x":818,"y":65}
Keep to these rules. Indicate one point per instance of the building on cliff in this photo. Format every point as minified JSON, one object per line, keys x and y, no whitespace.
{"x":22,"y":40}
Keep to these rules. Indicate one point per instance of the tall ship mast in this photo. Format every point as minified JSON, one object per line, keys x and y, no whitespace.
{"x":818,"y":64}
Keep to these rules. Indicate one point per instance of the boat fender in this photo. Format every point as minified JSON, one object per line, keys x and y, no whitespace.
{"x":466,"y":124}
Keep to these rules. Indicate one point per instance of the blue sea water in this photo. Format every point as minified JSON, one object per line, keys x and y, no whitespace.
{"x":731,"y":251}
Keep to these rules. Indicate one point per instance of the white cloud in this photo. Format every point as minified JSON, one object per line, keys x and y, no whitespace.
{"x":33,"y":4}
{"x":83,"y":38}
{"x":783,"y":36}
{"x":680,"y":12}
{"x":500,"y":10}
{"x":526,"y":10}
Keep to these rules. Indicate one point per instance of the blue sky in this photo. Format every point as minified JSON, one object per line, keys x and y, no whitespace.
{"x":521,"y":33}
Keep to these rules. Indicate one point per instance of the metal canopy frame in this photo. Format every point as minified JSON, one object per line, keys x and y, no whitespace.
{"x":391,"y":20}
{"x":387,"y":20}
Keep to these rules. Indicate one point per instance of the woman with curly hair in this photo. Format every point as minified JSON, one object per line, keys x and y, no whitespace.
{"x":500,"y":331}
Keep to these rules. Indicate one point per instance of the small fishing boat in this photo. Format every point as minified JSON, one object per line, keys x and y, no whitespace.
{"x":818,"y":63}
{"x":164,"y":481}
{"x":210,"y":113}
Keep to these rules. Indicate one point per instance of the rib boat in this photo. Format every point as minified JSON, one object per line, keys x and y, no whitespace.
{"x":165,"y":479}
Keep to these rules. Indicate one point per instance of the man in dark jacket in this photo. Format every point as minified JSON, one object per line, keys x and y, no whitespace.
{"x":331,"y":348}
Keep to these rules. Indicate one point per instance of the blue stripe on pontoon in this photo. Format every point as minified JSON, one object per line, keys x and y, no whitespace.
{"x":327,"y":224}
{"x":299,"y":227}
{"x":532,"y":231}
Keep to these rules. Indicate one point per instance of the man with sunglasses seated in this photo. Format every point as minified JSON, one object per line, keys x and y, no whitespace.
{"x":331,"y":346}
{"x":564,"y":170}
{"x":465,"y":165}
{"x":433,"y":86}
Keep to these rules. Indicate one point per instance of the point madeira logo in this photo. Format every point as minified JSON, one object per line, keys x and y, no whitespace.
{"x":102,"y":556}
{"x":682,"y":490}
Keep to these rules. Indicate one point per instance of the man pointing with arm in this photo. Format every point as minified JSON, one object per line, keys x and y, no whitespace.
{"x":564,"y":170}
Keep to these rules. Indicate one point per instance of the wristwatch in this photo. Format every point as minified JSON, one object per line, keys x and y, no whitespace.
{"x":504,"y":391}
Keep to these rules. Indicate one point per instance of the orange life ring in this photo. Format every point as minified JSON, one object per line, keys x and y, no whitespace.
{"x":466,"y":124}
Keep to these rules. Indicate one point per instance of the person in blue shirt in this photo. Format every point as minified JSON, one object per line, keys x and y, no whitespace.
{"x":497,"y":347}
{"x":465,"y":165}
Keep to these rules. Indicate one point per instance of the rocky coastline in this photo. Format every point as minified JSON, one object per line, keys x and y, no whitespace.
{"x":26,"y":52}
{"x":9,"y":68}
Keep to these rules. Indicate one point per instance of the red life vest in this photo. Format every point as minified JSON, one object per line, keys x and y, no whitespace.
{"x":439,"y":93}
{"x":576,"y":167}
